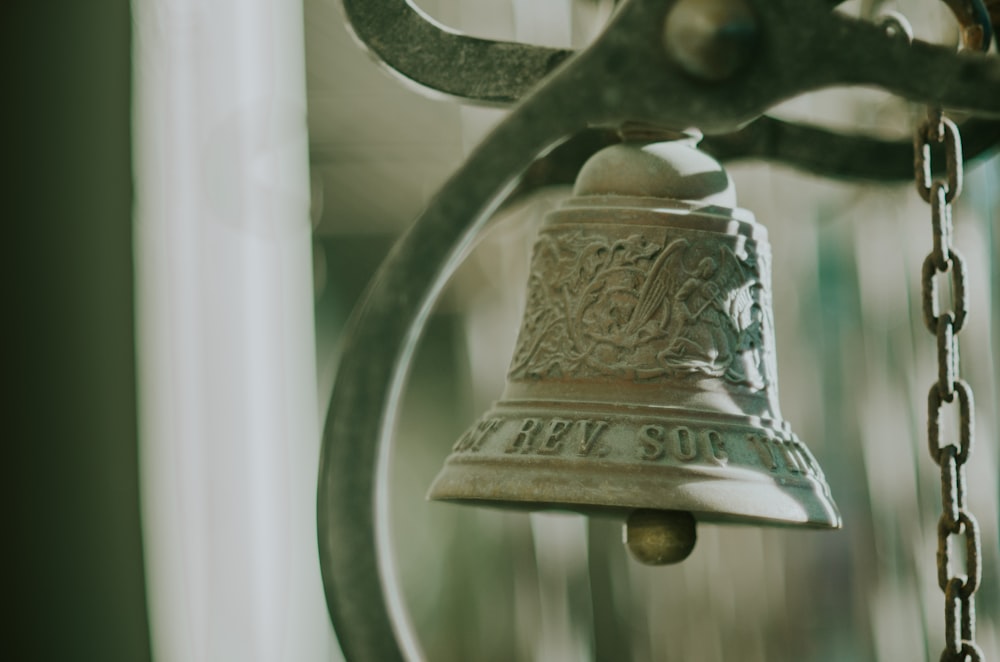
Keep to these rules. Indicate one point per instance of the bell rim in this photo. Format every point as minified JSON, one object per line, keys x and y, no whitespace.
{"x":605,"y":456}
{"x":712,"y":495}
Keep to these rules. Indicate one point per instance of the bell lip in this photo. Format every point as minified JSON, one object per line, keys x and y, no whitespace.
{"x":622,"y":513}
{"x":737,"y":496}
{"x":741,"y":468}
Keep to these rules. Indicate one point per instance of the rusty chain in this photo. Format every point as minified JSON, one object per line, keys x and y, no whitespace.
{"x":945,"y":260}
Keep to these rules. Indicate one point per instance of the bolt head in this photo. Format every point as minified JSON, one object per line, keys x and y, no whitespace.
{"x":710,"y":39}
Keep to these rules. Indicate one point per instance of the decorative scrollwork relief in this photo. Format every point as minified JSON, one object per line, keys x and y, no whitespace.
{"x":686,"y":304}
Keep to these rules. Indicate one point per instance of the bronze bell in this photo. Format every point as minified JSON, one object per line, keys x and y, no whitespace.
{"x":644,"y":381}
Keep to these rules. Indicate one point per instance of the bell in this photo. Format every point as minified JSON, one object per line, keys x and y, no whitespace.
{"x":643,"y":382}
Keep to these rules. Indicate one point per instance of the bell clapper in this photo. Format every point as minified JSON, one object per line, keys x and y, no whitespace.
{"x":659,"y":537}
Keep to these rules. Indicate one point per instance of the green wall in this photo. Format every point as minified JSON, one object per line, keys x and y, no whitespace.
{"x":73,"y":582}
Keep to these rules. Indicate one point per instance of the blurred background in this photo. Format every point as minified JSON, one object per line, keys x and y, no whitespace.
{"x":204,"y":189}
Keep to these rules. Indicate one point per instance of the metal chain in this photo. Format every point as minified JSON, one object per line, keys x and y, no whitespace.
{"x":944,"y":259}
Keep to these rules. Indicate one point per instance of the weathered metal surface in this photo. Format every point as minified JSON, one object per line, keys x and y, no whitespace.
{"x":411,"y":45}
{"x":803,"y":46}
{"x":711,"y":39}
{"x":823,"y":152}
{"x":800,"y":45}
{"x":956,"y":520}
{"x":644,"y":373}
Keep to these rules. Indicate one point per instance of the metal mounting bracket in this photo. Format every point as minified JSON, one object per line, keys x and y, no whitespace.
{"x":801,"y":46}
{"x":626,"y":74}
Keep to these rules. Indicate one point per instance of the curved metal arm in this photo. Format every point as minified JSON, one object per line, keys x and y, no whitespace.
{"x":379,"y":344}
{"x":808,"y":148}
{"x":830,"y":154}
{"x":802,"y":46}
{"x":413,"y":46}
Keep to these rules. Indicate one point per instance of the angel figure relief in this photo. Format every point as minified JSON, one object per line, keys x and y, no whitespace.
{"x":635,"y":308}
{"x":715,"y":323}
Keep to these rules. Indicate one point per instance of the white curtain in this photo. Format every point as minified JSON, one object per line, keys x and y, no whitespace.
{"x":229,"y":421}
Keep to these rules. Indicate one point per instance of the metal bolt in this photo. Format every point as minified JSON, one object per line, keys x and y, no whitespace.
{"x":710,"y":39}
{"x":660,"y":537}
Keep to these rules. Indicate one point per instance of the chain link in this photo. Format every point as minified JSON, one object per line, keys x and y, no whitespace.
{"x":945,"y":260}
